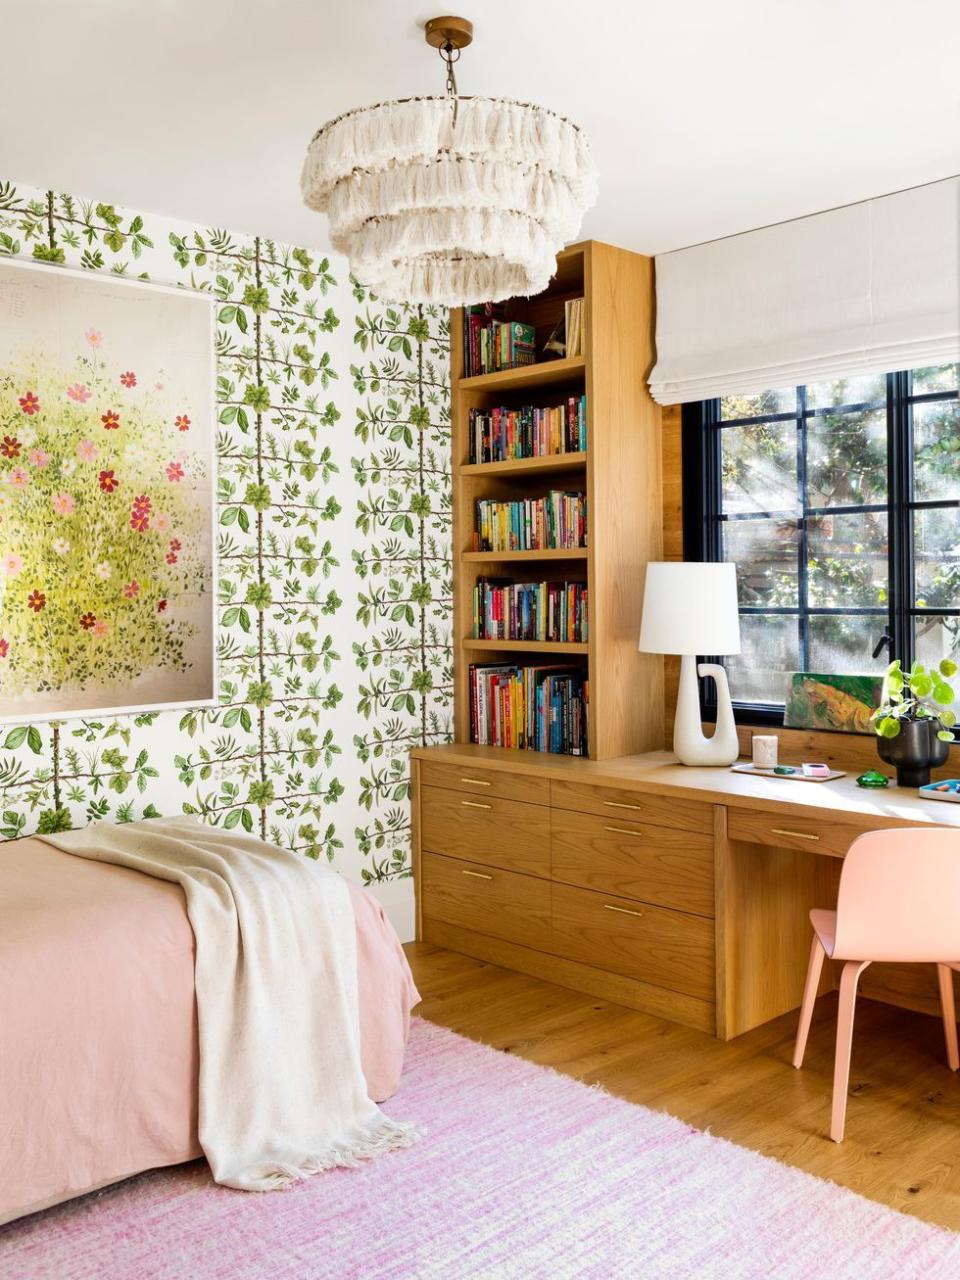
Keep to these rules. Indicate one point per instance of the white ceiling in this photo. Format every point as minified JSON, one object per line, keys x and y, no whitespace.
{"x":707,"y":117}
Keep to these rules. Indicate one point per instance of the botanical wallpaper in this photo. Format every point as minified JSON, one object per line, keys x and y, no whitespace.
{"x":334,"y":556}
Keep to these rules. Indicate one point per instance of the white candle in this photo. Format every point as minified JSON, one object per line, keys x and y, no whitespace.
{"x":765,"y":751}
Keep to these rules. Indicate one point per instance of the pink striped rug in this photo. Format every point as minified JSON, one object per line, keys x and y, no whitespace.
{"x":520,"y":1172}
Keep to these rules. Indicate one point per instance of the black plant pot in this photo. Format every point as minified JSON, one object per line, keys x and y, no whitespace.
{"x":914,"y":751}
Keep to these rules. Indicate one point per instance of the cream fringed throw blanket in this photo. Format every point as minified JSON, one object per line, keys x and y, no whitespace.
{"x":282,"y":1091}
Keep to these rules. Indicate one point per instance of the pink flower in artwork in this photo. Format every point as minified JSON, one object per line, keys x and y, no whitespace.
{"x":100,"y":628}
{"x":158,"y":386}
{"x":161,"y":522}
{"x":176,"y":544}
{"x":94,"y":337}
{"x":132,"y":590}
{"x":140,"y":520}
{"x":79,"y":392}
{"x":128,"y":379}
{"x":19,"y":478}
{"x":171,"y":558}
{"x":175,"y":473}
{"x":182,"y":422}
{"x":86,"y":451}
{"x":4,"y":647}
{"x":161,"y":606}
{"x":64,"y":505}
{"x":11,"y":564}
{"x":30,"y":403}
{"x":39,"y":457}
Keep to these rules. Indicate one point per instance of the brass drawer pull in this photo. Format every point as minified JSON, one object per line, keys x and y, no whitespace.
{"x":476,"y":804}
{"x":797,"y":835}
{"x":477,"y":782}
{"x":617,"y":804}
{"x":477,"y":875}
{"x":624,"y":911}
{"x":625,"y":831}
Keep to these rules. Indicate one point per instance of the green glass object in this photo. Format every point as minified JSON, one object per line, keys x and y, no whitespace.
{"x":873,"y":778}
{"x":784,"y":769}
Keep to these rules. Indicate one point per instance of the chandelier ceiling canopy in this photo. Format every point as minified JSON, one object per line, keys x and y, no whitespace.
{"x":449,"y":199}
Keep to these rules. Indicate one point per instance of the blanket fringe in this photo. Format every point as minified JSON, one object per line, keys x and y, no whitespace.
{"x":383,"y":1136}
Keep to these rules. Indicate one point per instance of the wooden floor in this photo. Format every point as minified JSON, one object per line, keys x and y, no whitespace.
{"x":903,"y":1120}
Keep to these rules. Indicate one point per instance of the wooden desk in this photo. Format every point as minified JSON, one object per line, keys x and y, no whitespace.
{"x":681,"y":891}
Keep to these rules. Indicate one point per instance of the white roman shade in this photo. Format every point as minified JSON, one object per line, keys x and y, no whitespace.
{"x":869,"y":287}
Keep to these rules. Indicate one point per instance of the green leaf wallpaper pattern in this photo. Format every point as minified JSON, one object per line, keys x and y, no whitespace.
{"x":333,"y":444}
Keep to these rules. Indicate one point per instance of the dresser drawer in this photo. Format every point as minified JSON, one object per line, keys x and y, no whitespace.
{"x":500,"y":833}
{"x":486,"y":782}
{"x":785,"y":832}
{"x":666,"y":948}
{"x":486,"y":900}
{"x":612,"y":854}
{"x":665,"y":811}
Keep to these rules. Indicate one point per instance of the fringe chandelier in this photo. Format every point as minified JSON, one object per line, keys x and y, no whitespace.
{"x":449,"y":199}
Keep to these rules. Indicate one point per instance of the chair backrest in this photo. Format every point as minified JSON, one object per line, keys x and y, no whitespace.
{"x":900,"y":896}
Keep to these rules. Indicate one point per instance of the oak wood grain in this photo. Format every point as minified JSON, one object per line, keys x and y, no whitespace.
{"x":473,"y":780}
{"x":666,"y":948}
{"x":484,"y":828}
{"x":665,"y":866}
{"x":477,"y":896}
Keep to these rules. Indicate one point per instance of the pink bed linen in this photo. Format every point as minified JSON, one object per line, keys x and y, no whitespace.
{"x":98,"y":1022}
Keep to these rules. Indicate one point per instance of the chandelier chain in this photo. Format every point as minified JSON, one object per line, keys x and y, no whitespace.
{"x":450,"y":55}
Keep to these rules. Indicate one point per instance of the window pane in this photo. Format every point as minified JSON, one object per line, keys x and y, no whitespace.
{"x":869,"y":389}
{"x":936,"y":450}
{"x":843,"y":645}
{"x":936,"y":541}
{"x":937,"y":638}
{"x":945,"y":377}
{"x":847,"y":459}
{"x":847,"y":561}
{"x":764,"y":402}
{"x":770,"y":649}
{"x":759,"y":467}
{"x":765,"y":552}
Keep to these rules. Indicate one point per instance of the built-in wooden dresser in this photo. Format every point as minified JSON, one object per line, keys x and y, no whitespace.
{"x":681,"y":892}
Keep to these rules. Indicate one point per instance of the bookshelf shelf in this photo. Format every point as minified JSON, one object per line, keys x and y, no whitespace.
{"x":527,"y":466}
{"x":545,"y":374}
{"x":523,"y":646}
{"x":619,"y":473}
{"x":496,"y":557}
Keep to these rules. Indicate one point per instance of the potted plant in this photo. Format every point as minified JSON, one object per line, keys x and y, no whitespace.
{"x":914,"y":722}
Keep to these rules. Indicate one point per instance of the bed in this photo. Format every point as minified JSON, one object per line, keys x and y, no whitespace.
{"x":98,"y":1023}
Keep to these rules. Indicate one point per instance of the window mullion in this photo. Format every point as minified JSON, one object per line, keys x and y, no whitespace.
{"x":803,"y":551}
{"x":900,"y":483}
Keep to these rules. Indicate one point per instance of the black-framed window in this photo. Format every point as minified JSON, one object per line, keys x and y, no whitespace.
{"x":840,"y":503}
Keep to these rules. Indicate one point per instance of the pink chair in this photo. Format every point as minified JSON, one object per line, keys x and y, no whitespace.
{"x":899,"y":900}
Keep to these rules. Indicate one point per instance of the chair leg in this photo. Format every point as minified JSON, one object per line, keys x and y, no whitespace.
{"x":811,"y":986}
{"x":841,"y":1068}
{"x":945,"y":979}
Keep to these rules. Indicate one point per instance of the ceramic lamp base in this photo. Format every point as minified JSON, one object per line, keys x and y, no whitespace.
{"x":690,"y":745}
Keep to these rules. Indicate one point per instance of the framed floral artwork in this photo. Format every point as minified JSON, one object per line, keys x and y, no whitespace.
{"x":107,"y":494}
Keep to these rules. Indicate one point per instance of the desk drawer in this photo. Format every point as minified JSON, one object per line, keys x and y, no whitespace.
{"x":665,"y":811}
{"x":611,"y":854}
{"x":666,"y":948}
{"x":484,"y":783}
{"x":497,"y":903}
{"x":787,"y":832}
{"x":500,"y":833}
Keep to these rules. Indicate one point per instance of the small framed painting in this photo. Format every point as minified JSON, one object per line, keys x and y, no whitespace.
{"x":833,"y":703}
{"x":107,"y":494}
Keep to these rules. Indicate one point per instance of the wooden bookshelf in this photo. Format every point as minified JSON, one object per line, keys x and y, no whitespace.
{"x":619,"y":472}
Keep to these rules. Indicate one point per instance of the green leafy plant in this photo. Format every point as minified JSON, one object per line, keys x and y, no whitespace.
{"x":921,"y":693}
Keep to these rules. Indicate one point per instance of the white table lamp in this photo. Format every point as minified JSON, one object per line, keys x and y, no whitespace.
{"x":691,"y":608}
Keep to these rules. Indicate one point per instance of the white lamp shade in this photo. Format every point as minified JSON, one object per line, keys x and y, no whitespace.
{"x":690,"y":608}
